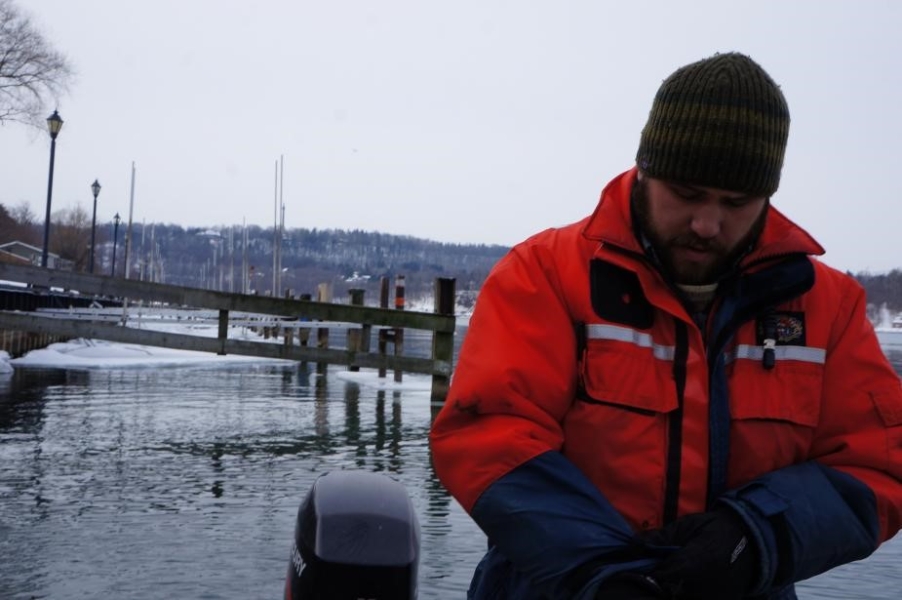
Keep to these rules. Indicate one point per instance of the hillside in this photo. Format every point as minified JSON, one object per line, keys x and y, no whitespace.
{"x":218,"y":259}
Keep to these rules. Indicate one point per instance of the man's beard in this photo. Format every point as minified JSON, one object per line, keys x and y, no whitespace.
{"x":690,"y":274}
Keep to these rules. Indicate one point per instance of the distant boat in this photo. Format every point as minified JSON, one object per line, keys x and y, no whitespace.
{"x":357,"y":277}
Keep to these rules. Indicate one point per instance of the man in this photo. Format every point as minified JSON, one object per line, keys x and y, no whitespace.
{"x":672,"y":398}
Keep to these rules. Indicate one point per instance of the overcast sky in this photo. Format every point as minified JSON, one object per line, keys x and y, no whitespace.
{"x":472,"y":121}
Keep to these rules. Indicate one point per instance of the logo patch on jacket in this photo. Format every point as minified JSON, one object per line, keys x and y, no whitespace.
{"x":787,"y":328}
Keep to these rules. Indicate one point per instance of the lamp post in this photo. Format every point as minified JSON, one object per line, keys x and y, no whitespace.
{"x":115,"y":239}
{"x":54,"y":124}
{"x":95,"y":188}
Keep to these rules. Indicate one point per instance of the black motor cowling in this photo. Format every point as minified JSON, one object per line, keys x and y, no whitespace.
{"x":356,"y":537}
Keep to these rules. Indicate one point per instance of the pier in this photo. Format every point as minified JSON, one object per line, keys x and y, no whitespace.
{"x":310,"y":322}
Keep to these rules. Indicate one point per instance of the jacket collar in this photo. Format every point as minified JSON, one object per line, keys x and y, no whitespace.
{"x":611,"y":223}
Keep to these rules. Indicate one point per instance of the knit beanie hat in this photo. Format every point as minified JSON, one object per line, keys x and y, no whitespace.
{"x":720,"y":122}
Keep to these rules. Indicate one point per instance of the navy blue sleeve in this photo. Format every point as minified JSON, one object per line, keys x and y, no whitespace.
{"x":807,"y":519}
{"x":547,"y":519}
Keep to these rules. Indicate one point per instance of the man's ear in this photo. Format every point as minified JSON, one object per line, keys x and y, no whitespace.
{"x":639,"y":175}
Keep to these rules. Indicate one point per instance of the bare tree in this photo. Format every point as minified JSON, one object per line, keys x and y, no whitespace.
{"x":71,"y":238}
{"x":23,"y":213}
{"x":27,"y":229}
{"x":32,"y":73}
{"x":8,"y":225}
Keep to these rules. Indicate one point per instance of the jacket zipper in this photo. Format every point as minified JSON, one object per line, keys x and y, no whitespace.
{"x":675,"y":425}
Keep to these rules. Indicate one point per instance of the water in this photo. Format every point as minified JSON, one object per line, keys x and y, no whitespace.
{"x":185,"y":482}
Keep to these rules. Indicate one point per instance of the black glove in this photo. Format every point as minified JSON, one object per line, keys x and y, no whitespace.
{"x":629,"y":586}
{"x":716,"y":560}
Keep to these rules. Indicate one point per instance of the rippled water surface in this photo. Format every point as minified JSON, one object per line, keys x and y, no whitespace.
{"x":185,"y":482}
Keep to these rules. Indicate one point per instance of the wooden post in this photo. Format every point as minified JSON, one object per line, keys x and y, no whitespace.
{"x":383,"y":292}
{"x":383,"y":332}
{"x":355,"y":335}
{"x":443,"y":342}
{"x":223,"y":333}
{"x":399,"y":292}
{"x":287,"y":332}
{"x":304,"y":332}
{"x":366,"y":333}
{"x":399,"y":331}
{"x":323,"y":294}
{"x":399,"y":350}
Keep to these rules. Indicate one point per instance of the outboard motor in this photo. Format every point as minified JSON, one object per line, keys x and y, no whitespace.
{"x":356,"y":538}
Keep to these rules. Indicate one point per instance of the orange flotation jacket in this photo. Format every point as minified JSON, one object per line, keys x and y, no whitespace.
{"x":587,"y":405}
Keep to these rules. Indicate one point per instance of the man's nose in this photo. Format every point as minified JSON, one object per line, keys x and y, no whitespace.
{"x":706,"y":220}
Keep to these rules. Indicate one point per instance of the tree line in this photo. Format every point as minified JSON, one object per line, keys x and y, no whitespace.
{"x":237,"y":258}
{"x":240,"y":258}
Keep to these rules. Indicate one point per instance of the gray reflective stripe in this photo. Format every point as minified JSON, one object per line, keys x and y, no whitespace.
{"x":800,"y":353}
{"x":630,"y":336}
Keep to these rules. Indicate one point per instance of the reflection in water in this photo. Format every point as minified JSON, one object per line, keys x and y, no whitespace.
{"x":22,"y":397}
{"x":113,"y":483}
{"x":322,"y":407}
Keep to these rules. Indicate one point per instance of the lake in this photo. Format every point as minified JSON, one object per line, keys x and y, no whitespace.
{"x":185,"y":482}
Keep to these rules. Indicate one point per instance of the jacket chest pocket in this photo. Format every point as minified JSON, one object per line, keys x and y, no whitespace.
{"x":774,"y":415}
{"x":616,"y":429}
{"x":636,"y":377}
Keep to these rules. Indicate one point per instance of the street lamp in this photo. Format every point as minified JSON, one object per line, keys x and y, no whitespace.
{"x":54,"y":124}
{"x":95,"y":187}
{"x":115,"y":239}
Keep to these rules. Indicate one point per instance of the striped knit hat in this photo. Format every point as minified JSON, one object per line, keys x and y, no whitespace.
{"x":721,"y":122}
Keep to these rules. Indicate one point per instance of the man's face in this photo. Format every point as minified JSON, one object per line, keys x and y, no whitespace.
{"x":697,"y":232}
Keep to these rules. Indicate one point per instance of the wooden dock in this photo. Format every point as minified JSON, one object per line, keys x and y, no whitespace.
{"x":287,"y":313}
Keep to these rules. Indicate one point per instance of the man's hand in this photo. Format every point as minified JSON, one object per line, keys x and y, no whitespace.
{"x":716,"y":560}
{"x":629,"y":586}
